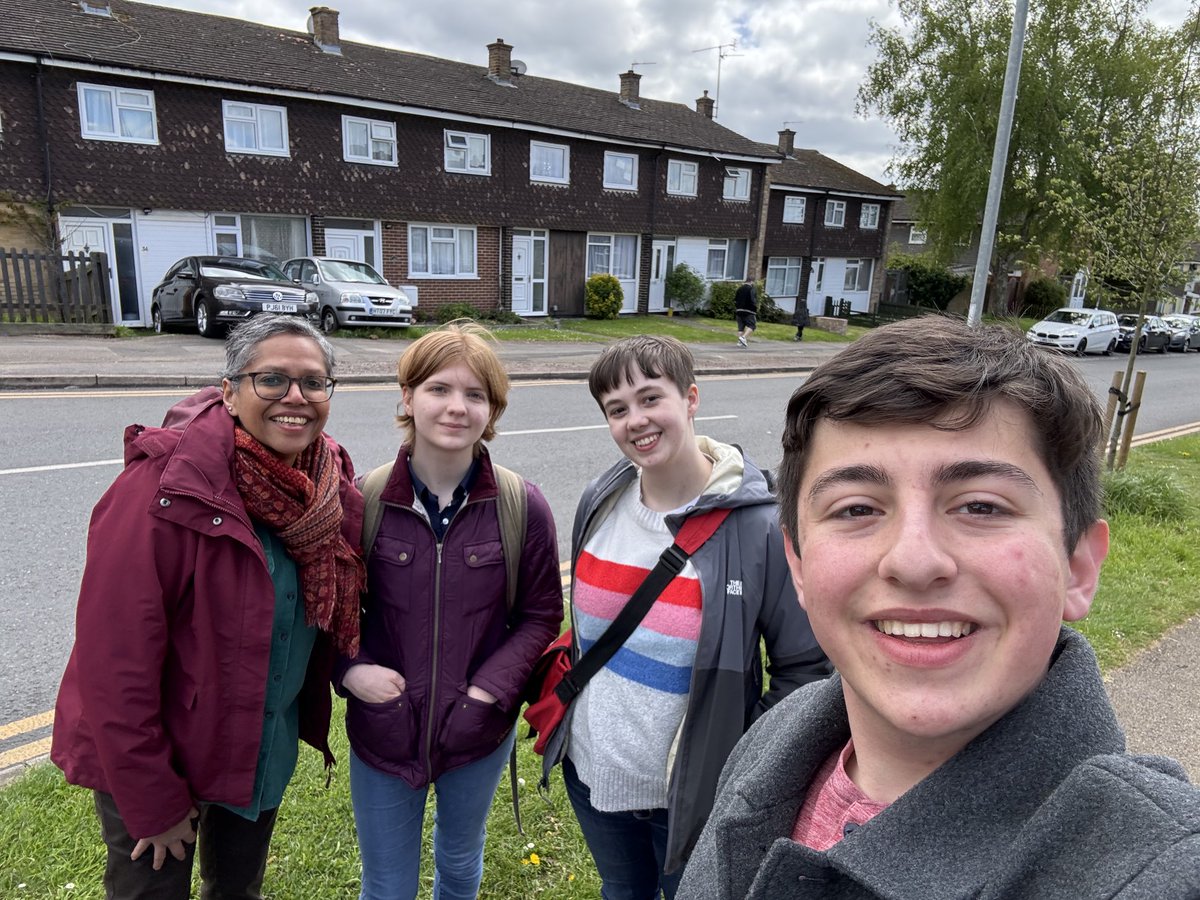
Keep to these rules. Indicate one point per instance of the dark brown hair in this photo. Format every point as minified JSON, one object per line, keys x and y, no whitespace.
{"x":939,"y":371}
{"x":655,"y":356}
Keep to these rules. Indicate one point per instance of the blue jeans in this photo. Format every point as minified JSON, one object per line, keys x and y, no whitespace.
{"x":629,"y":847}
{"x":389,"y":816}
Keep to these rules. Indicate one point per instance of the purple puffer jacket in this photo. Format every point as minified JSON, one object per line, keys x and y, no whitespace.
{"x":440,"y":619}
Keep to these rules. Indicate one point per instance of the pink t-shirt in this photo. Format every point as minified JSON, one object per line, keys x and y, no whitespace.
{"x":834,"y":805}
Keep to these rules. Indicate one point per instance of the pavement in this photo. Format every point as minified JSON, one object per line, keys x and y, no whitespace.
{"x":1154,"y":695}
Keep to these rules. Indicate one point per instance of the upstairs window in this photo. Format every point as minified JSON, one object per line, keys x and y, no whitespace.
{"x":682,"y":177}
{"x":254,"y":128}
{"x":549,"y":163}
{"x":793,"y":209}
{"x":117,"y":114}
{"x":368,"y":141}
{"x":917,"y":235}
{"x":835,"y":213}
{"x":620,"y":171}
{"x":468,"y":153}
{"x":737,"y":184}
{"x":868,"y":216}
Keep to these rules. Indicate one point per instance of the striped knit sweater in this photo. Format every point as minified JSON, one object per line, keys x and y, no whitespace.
{"x":625,"y":720}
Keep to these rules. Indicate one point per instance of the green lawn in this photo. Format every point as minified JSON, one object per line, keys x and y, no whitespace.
{"x":50,"y":843}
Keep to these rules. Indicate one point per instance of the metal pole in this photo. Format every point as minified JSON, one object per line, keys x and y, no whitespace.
{"x":991,"y":212}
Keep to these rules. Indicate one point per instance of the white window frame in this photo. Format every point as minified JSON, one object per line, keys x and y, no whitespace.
{"x":609,"y":240}
{"x":917,"y":235}
{"x":632,"y":184}
{"x":817,"y":275}
{"x":118,"y":99}
{"x":451,"y":142}
{"x":427,"y":231}
{"x":794,"y":209}
{"x":258,"y":109}
{"x":835,"y":213}
{"x":858,"y":267}
{"x":868,"y":217}
{"x":565,"y":178}
{"x":779,"y":269}
{"x":737,"y":183}
{"x":678,"y":170}
{"x":377,"y":131}
{"x":722,"y":246}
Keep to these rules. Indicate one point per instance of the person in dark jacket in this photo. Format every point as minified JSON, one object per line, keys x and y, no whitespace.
{"x":434,"y":692}
{"x":800,"y":318}
{"x":940,"y":495}
{"x":644,"y":742}
{"x":221,"y":575}
{"x":745,"y":311}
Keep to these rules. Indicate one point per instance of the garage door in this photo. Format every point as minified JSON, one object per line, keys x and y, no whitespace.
{"x":164,"y":238}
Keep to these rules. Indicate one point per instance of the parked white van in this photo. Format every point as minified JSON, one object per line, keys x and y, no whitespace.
{"x":1077,"y":330}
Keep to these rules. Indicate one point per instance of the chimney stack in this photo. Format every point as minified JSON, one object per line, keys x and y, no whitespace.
{"x":500,"y":62}
{"x":704,"y":105}
{"x":630,"y":94}
{"x":323,"y":25}
{"x":787,"y":142}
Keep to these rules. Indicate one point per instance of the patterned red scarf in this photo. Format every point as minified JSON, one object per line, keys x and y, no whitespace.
{"x":302,"y":505}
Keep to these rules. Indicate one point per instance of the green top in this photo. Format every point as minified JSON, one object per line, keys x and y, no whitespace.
{"x":291,"y":646}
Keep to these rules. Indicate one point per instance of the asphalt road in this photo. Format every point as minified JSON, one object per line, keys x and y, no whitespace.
{"x":60,"y":450}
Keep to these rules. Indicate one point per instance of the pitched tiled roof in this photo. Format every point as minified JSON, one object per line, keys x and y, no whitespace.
{"x":810,"y":169}
{"x":158,"y":39}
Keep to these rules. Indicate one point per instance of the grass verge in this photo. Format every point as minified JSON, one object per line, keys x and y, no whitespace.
{"x":50,"y":843}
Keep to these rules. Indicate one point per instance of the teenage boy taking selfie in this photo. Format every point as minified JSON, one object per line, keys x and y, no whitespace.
{"x":940,"y":500}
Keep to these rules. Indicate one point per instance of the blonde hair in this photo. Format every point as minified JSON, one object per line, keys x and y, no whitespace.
{"x":461,"y":341}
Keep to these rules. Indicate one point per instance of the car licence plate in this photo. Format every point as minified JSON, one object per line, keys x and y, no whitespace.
{"x":384,"y":311}
{"x":279,"y":307}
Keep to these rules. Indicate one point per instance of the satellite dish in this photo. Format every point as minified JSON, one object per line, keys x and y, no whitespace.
{"x":519,"y":67}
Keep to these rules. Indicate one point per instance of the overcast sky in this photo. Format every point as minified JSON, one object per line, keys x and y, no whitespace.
{"x":796,"y":61}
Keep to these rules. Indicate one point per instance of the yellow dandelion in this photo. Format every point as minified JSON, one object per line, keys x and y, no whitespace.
{"x":524,"y":860}
{"x":535,"y":859}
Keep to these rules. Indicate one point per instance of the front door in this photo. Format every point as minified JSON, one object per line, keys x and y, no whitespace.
{"x":115,"y":240}
{"x":522,"y":294}
{"x":661,"y":263}
{"x":357,"y":246}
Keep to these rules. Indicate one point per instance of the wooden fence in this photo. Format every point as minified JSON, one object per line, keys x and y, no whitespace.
{"x":49,"y":287}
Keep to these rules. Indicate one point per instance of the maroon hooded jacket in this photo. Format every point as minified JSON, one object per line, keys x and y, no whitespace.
{"x":161,"y":704}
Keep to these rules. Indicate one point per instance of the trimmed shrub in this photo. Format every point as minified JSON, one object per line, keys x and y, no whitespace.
{"x":767,"y":310}
{"x":1152,"y":495}
{"x":456,"y":310}
{"x":1044,"y":296}
{"x":929,"y":284}
{"x":720,"y":298}
{"x":684,"y":288}
{"x":603,"y":297}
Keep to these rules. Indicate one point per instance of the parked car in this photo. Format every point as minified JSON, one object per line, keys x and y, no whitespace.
{"x":1077,"y":330}
{"x":352,"y":293}
{"x":213,"y":292}
{"x":1156,"y":334}
{"x":1185,"y":331}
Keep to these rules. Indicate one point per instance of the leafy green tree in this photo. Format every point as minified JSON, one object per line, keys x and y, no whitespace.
{"x":1090,"y":68}
{"x":930,"y":283}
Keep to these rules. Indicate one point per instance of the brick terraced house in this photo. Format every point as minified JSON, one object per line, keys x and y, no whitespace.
{"x":825,"y":231}
{"x":152,"y":134}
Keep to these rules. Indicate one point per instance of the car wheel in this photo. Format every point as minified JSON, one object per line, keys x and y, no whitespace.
{"x":156,"y":320}
{"x":1081,"y":348}
{"x":329,"y":320}
{"x":1108,"y":351}
{"x":1166,"y":345}
{"x":204,"y":322}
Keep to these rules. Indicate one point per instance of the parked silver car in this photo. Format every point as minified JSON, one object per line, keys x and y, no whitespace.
{"x":351,"y":293}
{"x":1185,"y":331}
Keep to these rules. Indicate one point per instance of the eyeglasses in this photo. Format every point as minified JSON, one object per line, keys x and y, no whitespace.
{"x":276,"y":385}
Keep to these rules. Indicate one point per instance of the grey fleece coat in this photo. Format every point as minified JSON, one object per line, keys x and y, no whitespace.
{"x":747,"y":597}
{"x":1044,"y":805}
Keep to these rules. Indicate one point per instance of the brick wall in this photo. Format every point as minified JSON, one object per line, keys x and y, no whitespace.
{"x":482,"y":292}
{"x":22,"y":168}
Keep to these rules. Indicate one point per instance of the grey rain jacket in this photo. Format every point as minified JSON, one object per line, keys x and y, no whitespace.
{"x":1044,"y":805}
{"x":726,"y":693}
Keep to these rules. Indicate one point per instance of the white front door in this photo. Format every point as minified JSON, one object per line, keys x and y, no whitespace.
{"x":522,"y":293}
{"x":661,"y":263}
{"x":345,"y":245}
{"x":89,"y":236}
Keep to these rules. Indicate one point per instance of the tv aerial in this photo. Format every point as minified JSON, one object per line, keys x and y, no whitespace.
{"x":723,"y":50}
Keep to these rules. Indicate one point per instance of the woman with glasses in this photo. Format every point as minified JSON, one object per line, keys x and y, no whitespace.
{"x":221,"y":581}
{"x":434,"y":693}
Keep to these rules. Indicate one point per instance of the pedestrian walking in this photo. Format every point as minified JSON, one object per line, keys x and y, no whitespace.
{"x":745,"y":311}
{"x":221,"y":579}
{"x":800,"y":319}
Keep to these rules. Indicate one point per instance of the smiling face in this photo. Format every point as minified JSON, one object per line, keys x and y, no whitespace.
{"x":934,"y":573}
{"x":650,"y":420}
{"x":288,"y":425}
{"x":449,"y":412}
